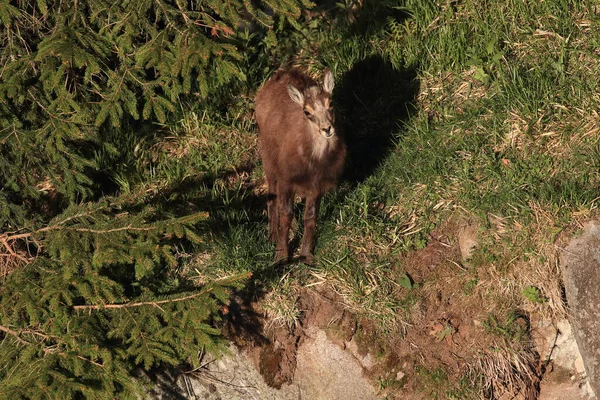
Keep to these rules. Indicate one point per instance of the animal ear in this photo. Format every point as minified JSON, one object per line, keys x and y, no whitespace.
{"x":295,"y":95}
{"x":328,"y":82}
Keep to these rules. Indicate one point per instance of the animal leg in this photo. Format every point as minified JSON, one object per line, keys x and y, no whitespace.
{"x":285,"y":212}
{"x":272,"y":210}
{"x":311,"y":212}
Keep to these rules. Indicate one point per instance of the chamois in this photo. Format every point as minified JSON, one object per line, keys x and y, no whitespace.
{"x":302,"y":152}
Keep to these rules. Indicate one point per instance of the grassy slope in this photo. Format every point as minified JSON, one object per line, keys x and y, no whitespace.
{"x":457,"y":113}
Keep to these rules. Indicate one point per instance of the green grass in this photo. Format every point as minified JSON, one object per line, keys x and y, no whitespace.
{"x":481,"y":110}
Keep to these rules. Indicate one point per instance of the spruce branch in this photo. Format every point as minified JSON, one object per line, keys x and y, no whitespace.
{"x":186,"y":19}
{"x":10,"y":236}
{"x":8,"y":239}
{"x":105,"y":231}
{"x":30,"y":332}
{"x":214,"y":29}
{"x":12,"y":252}
{"x":15,"y":334}
{"x":86,"y":359}
{"x":156,"y":303}
{"x":47,"y":350}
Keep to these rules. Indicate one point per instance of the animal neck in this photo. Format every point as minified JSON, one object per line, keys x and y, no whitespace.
{"x":321,"y":146}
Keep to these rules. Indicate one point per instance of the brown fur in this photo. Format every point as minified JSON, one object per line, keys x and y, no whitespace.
{"x":298,"y":157}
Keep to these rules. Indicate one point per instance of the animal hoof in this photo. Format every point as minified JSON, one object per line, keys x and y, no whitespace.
{"x":280,"y":258}
{"x":307,"y":259}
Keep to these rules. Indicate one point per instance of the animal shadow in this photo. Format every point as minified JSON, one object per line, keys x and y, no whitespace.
{"x":374,"y":100}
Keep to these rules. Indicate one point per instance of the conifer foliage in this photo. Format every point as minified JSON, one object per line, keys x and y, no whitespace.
{"x":81,"y":317}
{"x":88,"y":295}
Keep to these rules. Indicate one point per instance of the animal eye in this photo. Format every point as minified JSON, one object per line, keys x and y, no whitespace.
{"x":307,"y":113}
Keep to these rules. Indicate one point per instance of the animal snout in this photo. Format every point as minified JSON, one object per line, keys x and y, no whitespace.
{"x":328,"y":132}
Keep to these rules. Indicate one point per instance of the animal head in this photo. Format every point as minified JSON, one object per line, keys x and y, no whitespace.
{"x":316,"y":104}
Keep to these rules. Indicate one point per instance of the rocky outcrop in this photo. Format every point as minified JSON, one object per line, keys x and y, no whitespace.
{"x":580,"y":264}
{"x":564,"y":376}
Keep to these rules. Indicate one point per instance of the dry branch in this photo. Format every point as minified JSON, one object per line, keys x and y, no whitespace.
{"x":15,"y":334}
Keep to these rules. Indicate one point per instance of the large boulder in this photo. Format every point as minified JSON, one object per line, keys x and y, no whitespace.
{"x":580,"y":264}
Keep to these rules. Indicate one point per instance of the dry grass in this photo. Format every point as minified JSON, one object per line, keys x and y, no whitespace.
{"x":281,"y":311}
{"x":507,"y":373}
{"x":558,"y":135}
{"x":452,"y":90}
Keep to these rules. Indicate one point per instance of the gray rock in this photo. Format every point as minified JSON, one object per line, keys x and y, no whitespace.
{"x":580,"y":264}
{"x":324,"y":371}
{"x":564,"y":377}
{"x":231,"y":377}
{"x":327,"y":372}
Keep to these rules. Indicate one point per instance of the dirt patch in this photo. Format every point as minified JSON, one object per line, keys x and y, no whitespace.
{"x":456,"y":343}
{"x":442,"y":249}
